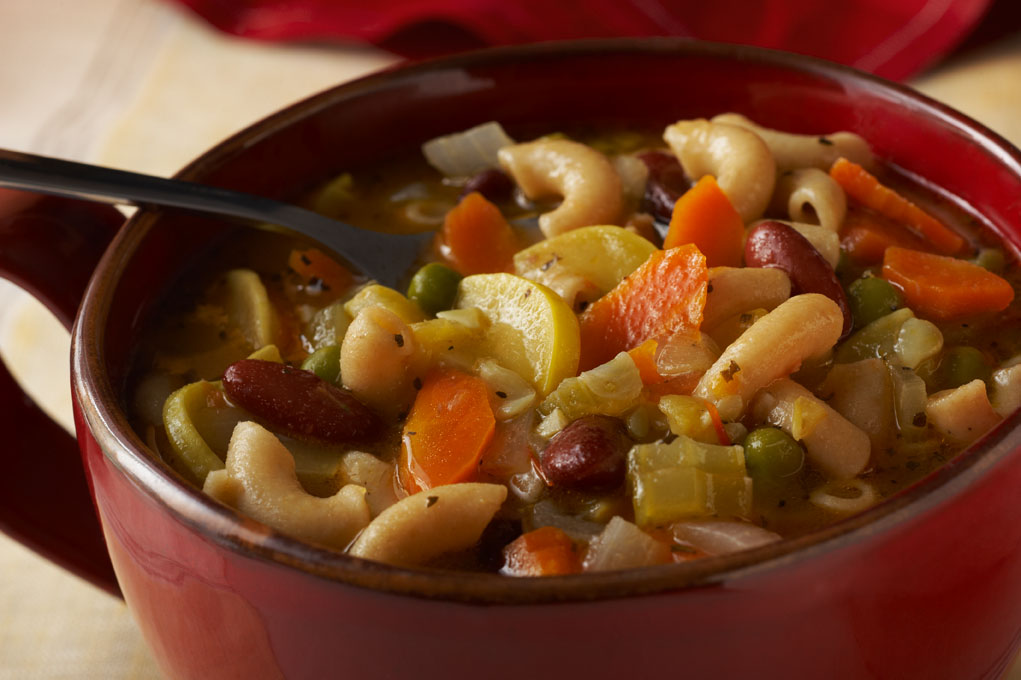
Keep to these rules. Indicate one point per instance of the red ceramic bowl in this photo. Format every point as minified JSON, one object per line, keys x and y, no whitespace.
{"x":926,"y":585}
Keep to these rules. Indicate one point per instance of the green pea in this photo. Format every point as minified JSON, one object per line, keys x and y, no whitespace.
{"x":325,"y":363}
{"x":961,"y":365}
{"x":871,"y":298}
{"x":771,"y":454}
{"x":434,"y":287}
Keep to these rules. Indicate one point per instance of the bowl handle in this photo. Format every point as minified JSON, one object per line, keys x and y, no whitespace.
{"x":49,"y":247}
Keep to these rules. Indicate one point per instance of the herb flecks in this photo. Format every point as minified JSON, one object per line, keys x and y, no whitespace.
{"x":825,"y":142}
{"x":431,"y":501}
{"x":399,"y":339}
{"x":730,"y":371}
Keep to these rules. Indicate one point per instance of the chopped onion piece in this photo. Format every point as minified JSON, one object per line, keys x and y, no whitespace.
{"x":719,"y":537}
{"x":917,"y":340}
{"x":552,"y":423}
{"x":686,"y":354}
{"x":510,"y":394}
{"x":622,"y":545}
{"x":466,"y":153}
{"x":909,"y":399}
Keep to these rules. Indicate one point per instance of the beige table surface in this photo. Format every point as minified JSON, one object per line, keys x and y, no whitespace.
{"x":141,"y":85}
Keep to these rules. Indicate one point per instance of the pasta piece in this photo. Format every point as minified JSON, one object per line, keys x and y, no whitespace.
{"x":376,"y":358}
{"x":588,"y":182}
{"x":734,"y":290}
{"x":962,"y":414}
{"x":845,"y":498}
{"x":737,"y":158}
{"x":430,"y":523}
{"x":260,"y":481}
{"x":793,"y":151}
{"x":811,"y":196}
{"x":836,"y":446}
{"x":803,"y":327}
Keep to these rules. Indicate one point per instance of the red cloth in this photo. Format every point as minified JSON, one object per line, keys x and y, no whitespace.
{"x":892,"y":38}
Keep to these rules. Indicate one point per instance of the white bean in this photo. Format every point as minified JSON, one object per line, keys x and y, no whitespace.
{"x":736,"y":157}
{"x":585,"y":178}
{"x":430,"y":523}
{"x":803,"y":327}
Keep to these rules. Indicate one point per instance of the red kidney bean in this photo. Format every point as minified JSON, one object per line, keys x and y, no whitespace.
{"x":588,"y":455}
{"x":299,"y":403}
{"x":775,"y":244}
{"x":667,"y":182}
{"x":493,"y":184}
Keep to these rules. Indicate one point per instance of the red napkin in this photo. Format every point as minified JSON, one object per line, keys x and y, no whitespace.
{"x":891,"y":38}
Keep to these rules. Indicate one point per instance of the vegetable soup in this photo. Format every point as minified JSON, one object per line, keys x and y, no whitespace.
{"x":624,"y":349}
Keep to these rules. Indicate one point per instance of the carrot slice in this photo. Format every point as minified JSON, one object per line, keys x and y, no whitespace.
{"x":546,"y":551}
{"x":477,"y":237}
{"x":666,"y":294}
{"x":704,"y":216}
{"x":865,"y":236}
{"x":866,"y":189}
{"x":450,"y":425}
{"x":942,"y":288}
{"x":318,"y":268}
{"x":644,"y":357}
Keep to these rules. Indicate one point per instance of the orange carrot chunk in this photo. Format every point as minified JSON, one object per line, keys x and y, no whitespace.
{"x":862,"y":186}
{"x":318,"y":268}
{"x":449,"y":427}
{"x":666,"y":294}
{"x":546,"y":551}
{"x":704,"y":216}
{"x":865,"y":236}
{"x":477,"y":238}
{"x":942,"y":288}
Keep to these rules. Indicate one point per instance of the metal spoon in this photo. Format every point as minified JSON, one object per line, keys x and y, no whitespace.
{"x":380,"y":256}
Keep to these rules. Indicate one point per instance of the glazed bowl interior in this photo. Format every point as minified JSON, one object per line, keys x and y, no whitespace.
{"x":530,"y":90}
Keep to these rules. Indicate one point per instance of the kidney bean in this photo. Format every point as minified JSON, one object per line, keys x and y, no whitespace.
{"x":493,"y":184}
{"x":588,"y":455}
{"x":667,"y":182}
{"x":299,"y":403}
{"x":775,"y":244}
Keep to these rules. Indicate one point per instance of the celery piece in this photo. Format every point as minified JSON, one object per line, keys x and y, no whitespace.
{"x":685,"y":451}
{"x":608,"y":389}
{"x":669,"y":494}
{"x":687,"y":478}
{"x":876,"y":340}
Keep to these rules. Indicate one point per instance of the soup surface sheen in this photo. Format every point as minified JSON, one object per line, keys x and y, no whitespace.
{"x":624,"y":349}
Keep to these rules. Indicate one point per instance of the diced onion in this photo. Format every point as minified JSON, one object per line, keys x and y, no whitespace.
{"x":622,"y":545}
{"x":685,"y":354}
{"x":552,"y":423}
{"x":466,"y":153}
{"x":910,"y":398}
{"x":719,"y":537}
{"x":917,"y":340}
{"x":510,"y":394}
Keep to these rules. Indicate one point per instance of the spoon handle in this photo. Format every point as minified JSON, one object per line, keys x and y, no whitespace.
{"x":384,"y":257}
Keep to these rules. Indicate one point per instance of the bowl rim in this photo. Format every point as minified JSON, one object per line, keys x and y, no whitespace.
{"x":99,"y":402}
